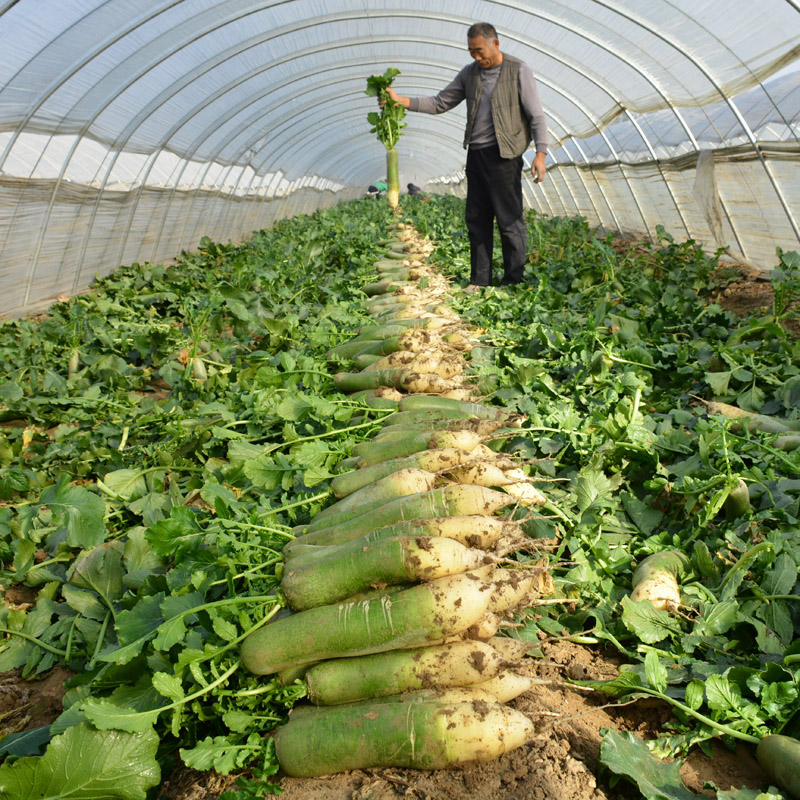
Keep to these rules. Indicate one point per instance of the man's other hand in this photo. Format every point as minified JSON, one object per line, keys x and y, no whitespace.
{"x":538,"y":168}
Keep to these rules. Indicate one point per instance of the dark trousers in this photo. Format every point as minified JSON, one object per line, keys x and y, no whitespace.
{"x":494,"y":191}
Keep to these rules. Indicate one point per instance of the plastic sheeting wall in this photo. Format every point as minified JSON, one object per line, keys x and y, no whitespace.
{"x":148,"y":224}
{"x":131,"y":128}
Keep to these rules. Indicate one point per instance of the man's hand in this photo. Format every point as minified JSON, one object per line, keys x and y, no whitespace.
{"x":538,"y":168}
{"x":404,"y":101}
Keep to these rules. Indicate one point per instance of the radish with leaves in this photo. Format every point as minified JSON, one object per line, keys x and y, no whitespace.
{"x":387,"y":125}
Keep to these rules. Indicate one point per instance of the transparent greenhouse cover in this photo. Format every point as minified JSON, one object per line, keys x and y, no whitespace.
{"x":131,"y":128}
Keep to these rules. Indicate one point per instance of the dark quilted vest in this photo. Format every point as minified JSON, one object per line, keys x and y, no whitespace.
{"x":511,"y":126}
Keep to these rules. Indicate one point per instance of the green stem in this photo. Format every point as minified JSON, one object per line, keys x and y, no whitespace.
{"x":249,"y":572}
{"x":234,"y":642}
{"x":70,"y":637}
{"x":320,"y":496}
{"x":718,"y":726}
{"x":100,"y":639}
{"x":779,"y":454}
{"x":188,"y":699}
{"x":335,"y":432}
{"x":35,"y":641}
{"x":216,"y":604}
{"x":744,"y":561}
{"x":541,"y":429}
{"x":252,"y":526}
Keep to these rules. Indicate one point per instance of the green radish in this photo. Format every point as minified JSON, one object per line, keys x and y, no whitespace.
{"x":385,"y":302}
{"x":483,"y":427}
{"x":395,"y":255}
{"x":424,"y":414}
{"x":428,"y":460}
{"x":377,"y":593}
{"x":460,"y":339}
{"x":74,"y":363}
{"x":737,"y":503}
{"x":779,"y":757}
{"x":414,"y":402}
{"x":345,"y":680}
{"x":402,"y":483}
{"x":431,"y":362}
{"x":384,"y":286}
{"x":385,"y":562}
{"x":399,"y":358}
{"x":656,"y":579}
{"x":364,"y":360}
{"x":418,"y":735}
{"x":378,"y":398}
{"x":444,"y":502}
{"x":356,"y":381}
{"x":392,"y":178}
{"x":473,"y":530}
{"x":199,"y":370}
{"x":447,"y":694}
{"x":488,"y":474}
{"x":383,"y":347}
{"x":384,"y":265}
{"x":374,"y":452}
{"x":387,"y":125}
{"x":378,"y":332}
{"x":400,"y":378}
{"x":291,"y":674}
{"x":349,"y":349}
{"x":512,"y":650}
{"x":412,"y":381}
{"x":410,"y":618}
{"x":415,"y":339}
{"x":758,"y":422}
{"x":788,"y":442}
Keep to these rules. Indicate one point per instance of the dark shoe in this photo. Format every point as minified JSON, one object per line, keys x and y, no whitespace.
{"x":506,"y":282}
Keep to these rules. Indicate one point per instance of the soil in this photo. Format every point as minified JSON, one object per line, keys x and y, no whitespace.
{"x":560,"y":764}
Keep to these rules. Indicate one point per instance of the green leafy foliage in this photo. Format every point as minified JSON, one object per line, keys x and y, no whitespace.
{"x":388,"y":123}
{"x":624,"y":754}
{"x":83,"y":764}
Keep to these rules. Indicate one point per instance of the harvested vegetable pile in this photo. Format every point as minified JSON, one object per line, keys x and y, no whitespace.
{"x":165,"y":437}
{"x":396,"y":585}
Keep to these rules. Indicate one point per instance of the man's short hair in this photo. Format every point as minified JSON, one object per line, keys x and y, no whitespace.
{"x":483,"y":29}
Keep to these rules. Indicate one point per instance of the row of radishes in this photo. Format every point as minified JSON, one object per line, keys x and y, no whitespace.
{"x":396,"y":590}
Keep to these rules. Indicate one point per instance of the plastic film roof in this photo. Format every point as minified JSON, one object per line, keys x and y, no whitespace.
{"x":126,"y":126}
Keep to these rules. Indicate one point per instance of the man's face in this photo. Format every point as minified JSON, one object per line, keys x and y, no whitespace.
{"x":485,"y":51}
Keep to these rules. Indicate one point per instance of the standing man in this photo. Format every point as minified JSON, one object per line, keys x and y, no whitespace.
{"x":504,"y":114}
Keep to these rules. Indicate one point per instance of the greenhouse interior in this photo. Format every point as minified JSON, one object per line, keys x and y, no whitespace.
{"x":494,"y":306}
